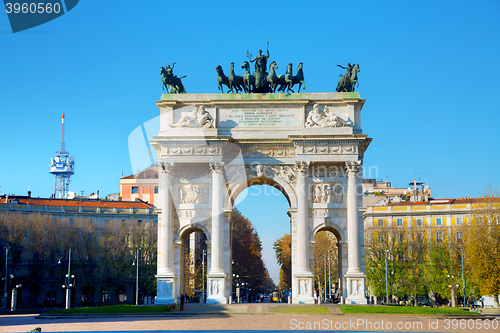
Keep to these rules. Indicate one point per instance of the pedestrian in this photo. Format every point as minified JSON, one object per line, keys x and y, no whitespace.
{"x":182,"y":298}
{"x":482,"y":303}
{"x":315,"y":297}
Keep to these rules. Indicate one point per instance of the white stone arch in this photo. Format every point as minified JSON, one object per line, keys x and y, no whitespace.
{"x":342,"y":263}
{"x":329,"y":226}
{"x":180,"y":239}
{"x":189,"y":228}
{"x":246,"y":181}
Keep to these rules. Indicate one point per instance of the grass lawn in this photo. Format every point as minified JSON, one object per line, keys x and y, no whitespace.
{"x":298,"y":309}
{"x":115,"y":309}
{"x":404,"y":309}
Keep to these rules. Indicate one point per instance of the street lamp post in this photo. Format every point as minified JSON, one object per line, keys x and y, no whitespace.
{"x":203,"y":277}
{"x":463,"y":278}
{"x":329,"y":275}
{"x":452,"y":287}
{"x":386,"y":282}
{"x":5,"y":278}
{"x":68,"y":285}
{"x":325,"y":277}
{"x":13,"y":304}
{"x":137,"y":278}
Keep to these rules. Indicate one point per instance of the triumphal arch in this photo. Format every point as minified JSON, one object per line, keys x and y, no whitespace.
{"x":212,"y":146}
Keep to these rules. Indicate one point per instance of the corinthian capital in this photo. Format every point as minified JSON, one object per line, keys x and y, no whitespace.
{"x":166,"y":168}
{"x":302,"y":168}
{"x":216,"y":168}
{"x":353,"y":166}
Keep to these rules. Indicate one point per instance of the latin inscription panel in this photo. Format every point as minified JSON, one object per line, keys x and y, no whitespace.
{"x":260,"y":117}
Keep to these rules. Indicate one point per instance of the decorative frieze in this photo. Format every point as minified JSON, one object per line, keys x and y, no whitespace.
{"x":191,"y":150}
{"x":327,"y":149}
{"x":327,"y":193}
{"x":269,"y":152}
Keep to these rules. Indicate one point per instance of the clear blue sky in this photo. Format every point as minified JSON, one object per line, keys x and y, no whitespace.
{"x":429,"y":73}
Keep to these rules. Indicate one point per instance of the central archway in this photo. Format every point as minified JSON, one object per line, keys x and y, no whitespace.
{"x":265,"y":206}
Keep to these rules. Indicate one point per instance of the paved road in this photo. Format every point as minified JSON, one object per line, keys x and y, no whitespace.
{"x":239,"y":317}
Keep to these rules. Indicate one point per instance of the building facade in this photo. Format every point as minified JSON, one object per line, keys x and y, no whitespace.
{"x":95,"y":212}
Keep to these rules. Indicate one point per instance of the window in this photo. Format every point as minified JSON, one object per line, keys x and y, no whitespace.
{"x":399,"y":222}
{"x":155,"y":222}
{"x":156,"y":189}
{"x":400,"y":236}
{"x":419,"y":223}
{"x":380,"y":222}
{"x":439,"y":221}
{"x":459,"y":220}
{"x":71,"y":221}
{"x":459,"y":236}
{"x":135,"y":189}
{"x":139,"y":223}
{"x":382,"y":237}
{"x":439,"y":236}
{"x":420,"y":237}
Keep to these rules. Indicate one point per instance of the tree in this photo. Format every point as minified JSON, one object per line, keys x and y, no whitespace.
{"x":247,"y":253}
{"x":324,"y":241}
{"x":283,"y":250}
{"x":481,"y":243}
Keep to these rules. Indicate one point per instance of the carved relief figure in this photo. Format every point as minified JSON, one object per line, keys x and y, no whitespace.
{"x":192,"y":194}
{"x":198,"y":118}
{"x":326,"y":193}
{"x":326,"y":119}
{"x":303,"y":287}
{"x":215,"y":287}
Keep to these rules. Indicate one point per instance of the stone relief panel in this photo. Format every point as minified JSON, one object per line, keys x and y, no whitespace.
{"x":327,"y":193}
{"x":198,"y":118}
{"x":287,"y":173}
{"x":216,"y":287}
{"x":356,"y":287}
{"x":165,"y":287}
{"x":327,"y":118}
{"x":304,"y":286}
{"x":193,"y":193}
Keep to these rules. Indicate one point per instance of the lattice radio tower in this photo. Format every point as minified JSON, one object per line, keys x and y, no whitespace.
{"x":62,"y":167}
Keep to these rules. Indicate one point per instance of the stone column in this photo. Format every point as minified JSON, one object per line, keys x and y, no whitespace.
{"x":302,"y":169}
{"x":302,"y":277}
{"x":216,"y":276}
{"x":166,"y":278}
{"x":217,"y":225}
{"x":355,"y":278}
{"x":352,"y":217}
{"x":166,"y":265}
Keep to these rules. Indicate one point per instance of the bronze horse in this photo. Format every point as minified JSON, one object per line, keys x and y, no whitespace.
{"x":235,"y":81}
{"x":248,"y":79}
{"x":172,"y":83}
{"x":348,"y":84}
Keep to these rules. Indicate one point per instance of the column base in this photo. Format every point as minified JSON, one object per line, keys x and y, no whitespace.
{"x":355,"y":289}
{"x":302,"y":288}
{"x":216,"y":285}
{"x":165,"y":290}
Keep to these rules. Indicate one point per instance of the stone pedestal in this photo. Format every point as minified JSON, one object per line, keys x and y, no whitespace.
{"x":165,"y":290}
